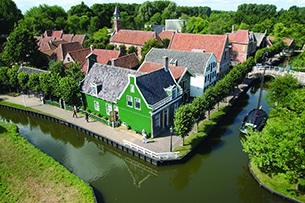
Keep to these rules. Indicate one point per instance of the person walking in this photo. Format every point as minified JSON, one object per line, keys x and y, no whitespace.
{"x":74,"y":112}
{"x":144,"y":136}
{"x":87,"y":117}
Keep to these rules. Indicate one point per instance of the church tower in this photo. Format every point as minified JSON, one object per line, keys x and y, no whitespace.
{"x":117,"y":21}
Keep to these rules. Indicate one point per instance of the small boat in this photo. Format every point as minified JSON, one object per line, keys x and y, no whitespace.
{"x":256,"y":118}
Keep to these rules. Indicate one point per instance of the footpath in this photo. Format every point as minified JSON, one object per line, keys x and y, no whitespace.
{"x":158,"y":144}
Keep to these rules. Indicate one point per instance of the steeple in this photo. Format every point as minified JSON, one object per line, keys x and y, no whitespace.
{"x":116,"y":20}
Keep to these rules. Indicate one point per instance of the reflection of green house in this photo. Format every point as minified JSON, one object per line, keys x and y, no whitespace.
{"x":139,"y":100}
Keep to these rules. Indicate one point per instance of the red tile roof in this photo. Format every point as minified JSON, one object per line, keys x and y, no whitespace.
{"x":68,"y":37}
{"x":191,"y":42}
{"x":64,"y":48}
{"x":80,"y":55}
{"x":103,"y":57}
{"x":147,"y":67}
{"x":133,"y":37}
{"x":240,"y":36}
{"x":166,"y":34}
{"x":127,"y":61}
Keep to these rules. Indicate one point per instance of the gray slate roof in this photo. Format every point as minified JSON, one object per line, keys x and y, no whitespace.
{"x":30,"y":70}
{"x":113,"y":81}
{"x":259,"y":37}
{"x":152,"y":85}
{"x":194,"y":61}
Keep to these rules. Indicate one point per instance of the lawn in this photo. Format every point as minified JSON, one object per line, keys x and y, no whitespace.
{"x":28,"y":175}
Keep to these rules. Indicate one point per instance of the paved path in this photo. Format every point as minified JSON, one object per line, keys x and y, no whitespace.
{"x":158,"y":144}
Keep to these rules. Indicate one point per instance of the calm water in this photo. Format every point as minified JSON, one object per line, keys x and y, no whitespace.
{"x":217,"y":173}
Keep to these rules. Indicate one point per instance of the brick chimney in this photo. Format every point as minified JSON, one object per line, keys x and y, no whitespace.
{"x":165,"y":63}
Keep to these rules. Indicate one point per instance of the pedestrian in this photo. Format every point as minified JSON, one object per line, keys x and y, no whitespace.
{"x":87,"y":117}
{"x":144,"y":136}
{"x":74,"y":112}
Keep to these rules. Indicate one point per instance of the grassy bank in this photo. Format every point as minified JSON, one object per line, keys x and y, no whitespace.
{"x":203,"y":129}
{"x":280,"y":184}
{"x":28,"y":175}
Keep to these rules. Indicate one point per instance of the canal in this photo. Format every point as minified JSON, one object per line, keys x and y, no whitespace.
{"x":218,"y":172}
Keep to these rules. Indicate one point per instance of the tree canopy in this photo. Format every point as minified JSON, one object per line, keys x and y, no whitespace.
{"x":280,"y":147}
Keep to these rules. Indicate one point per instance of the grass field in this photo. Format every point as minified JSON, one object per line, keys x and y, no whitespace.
{"x":28,"y":175}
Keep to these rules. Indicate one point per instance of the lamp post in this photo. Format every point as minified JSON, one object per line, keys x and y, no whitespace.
{"x":171,"y":137}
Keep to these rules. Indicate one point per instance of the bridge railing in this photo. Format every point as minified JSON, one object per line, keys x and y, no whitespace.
{"x":279,"y":71}
{"x":159,"y":156}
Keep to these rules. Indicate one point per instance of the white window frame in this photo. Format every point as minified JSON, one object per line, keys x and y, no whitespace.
{"x":108,"y":109}
{"x":157,"y":120}
{"x":137,"y":102}
{"x":132,"y":88}
{"x":129,"y":100}
{"x":96,"y":105}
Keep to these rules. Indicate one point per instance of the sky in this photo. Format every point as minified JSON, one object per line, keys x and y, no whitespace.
{"x":225,"y":5}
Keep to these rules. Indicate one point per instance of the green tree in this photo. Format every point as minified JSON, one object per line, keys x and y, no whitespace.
{"x":74,"y":71}
{"x":279,"y":148}
{"x":132,"y":49}
{"x":12,"y":74}
{"x":45,"y":83}
{"x":4,"y":79}
{"x":9,"y":15}
{"x":99,"y":39}
{"x":57,"y":68}
{"x":281,"y":90}
{"x":22,"y":47}
{"x":196,"y":25}
{"x":183,"y":121}
{"x":153,"y":43}
{"x":45,"y":17}
{"x":68,"y":89}
{"x":23,"y":79}
{"x":80,"y":10}
{"x":33,"y":82}
{"x":122,"y":48}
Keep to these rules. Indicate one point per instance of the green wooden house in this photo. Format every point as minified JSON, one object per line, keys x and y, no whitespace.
{"x":136,"y":99}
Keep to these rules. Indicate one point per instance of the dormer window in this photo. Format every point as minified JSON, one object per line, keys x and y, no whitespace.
{"x":132,"y":88}
{"x":95,"y":88}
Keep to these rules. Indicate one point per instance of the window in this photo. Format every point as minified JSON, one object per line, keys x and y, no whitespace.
{"x":96,"y":106}
{"x":137,"y":103}
{"x":129,"y":101}
{"x":108,"y":109}
{"x":132,"y":88}
{"x":176,"y":105}
{"x":157,"y":120}
{"x":174,"y":93}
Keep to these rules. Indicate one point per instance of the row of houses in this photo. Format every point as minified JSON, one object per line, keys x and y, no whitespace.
{"x":146,"y":96}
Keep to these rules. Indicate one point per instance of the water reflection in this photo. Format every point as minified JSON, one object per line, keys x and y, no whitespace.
{"x":218,"y":171}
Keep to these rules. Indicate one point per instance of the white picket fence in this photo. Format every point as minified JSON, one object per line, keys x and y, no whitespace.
{"x":159,"y":156}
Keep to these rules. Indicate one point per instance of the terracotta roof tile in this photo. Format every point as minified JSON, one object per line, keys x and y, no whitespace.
{"x":240,"y":36}
{"x":64,"y":48}
{"x":67,"y":37}
{"x":103,"y":57}
{"x":127,"y":61}
{"x":167,"y":34}
{"x":134,"y":37}
{"x":191,"y":42}
{"x":80,"y":55}
{"x":147,"y":67}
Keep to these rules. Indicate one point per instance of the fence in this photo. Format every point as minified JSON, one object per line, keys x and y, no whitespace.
{"x":159,"y":156}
